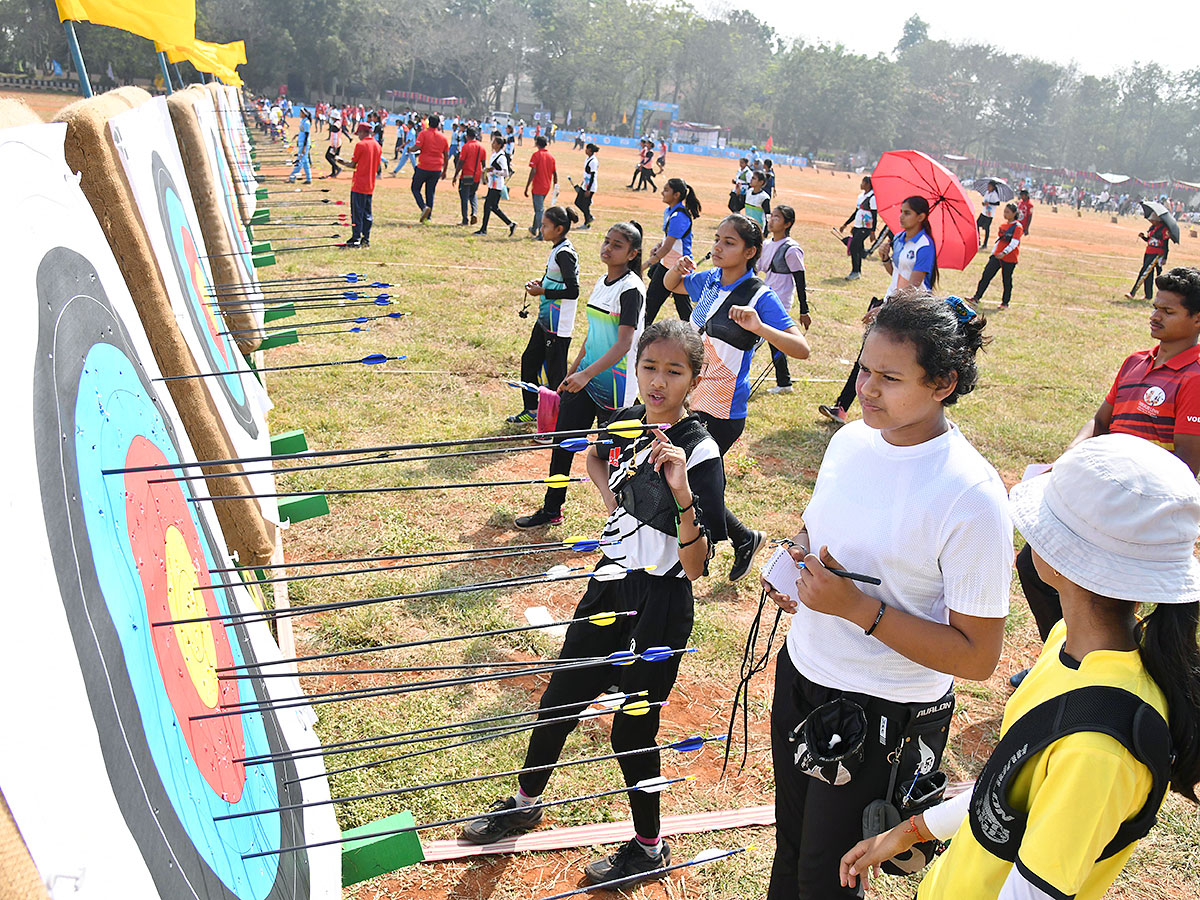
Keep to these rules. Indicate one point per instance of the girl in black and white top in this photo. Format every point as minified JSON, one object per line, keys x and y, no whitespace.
{"x":665,"y":495}
{"x":498,"y":169}
{"x":862,"y":226}
{"x":902,"y":496}
{"x":586,"y":191}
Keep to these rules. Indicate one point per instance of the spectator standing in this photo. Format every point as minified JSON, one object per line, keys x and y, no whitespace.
{"x":991,"y":200}
{"x":365,"y":164}
{"x":335,"y":142}
{"x":432,"y":164}
{"x":497,"y":172}
{"x":303,"y":147}
{"x":543,"y":177}
{"x":1004,"y":256}
{"x":468,"y":172}
{"x":587,"y":190}
{"x":862,"y":226}
{"x":1024,"y":210}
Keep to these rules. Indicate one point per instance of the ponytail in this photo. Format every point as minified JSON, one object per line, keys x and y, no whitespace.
{"x":920,"y":206}
{"x":690,"y":201}
{"x":562,"y":216}
{"x":1167,"y":641}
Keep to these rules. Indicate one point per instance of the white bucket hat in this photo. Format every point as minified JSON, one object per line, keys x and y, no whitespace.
{"x":1119,"y":516}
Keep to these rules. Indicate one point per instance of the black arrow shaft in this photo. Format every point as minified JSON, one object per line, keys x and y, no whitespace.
{"x":321,"y":365}
{"x":391,"y":489}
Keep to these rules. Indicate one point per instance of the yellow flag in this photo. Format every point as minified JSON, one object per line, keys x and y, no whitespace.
{"x":168,"y":21}
{"x":216,"y":59}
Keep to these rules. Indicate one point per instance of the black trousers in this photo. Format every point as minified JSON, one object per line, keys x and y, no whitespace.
{"x":846,"y":398}
{"x":726,"y":432}
{"x":664,"y":618}
{"x":583,"y":202}
{"x":576,"y":412}
{"x":1043,"y":600}
{"x":548,"y":352}
{"x":360,"y":216}
{"x":491,"y":204}
{"x":815,"y":822}
{"x":984,"y":222}
{"x":466,"y":197}
{"x":426,"y":181}
{"x":994,"y":265}
{"x":331,"y":158}
{"x":858,"y":249}
{"x":783,"y":377}
{"x":1148,"y":260}
{"x":657,"y":293}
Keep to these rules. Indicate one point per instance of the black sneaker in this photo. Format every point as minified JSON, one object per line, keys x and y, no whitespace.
{"x":511,"y":820}
{"x":743,"y":556}
{"x":538,"y":519}
{"x":630,"y":862}
{"x":351,"y":245}
{"x":522,"y":417}
{"x":365,"y":243}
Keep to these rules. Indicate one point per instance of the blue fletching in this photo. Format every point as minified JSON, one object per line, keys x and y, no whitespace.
{"x":378,"y":284}
{"x":657,"y":654}
{"x":395,"y":315}
{"x":382,"y":296}
{"x":356,"y":330}
{"x":383,"y":302}
{"x":350,"y":295}
{"x":373,"y":359}
{"x":574,"y":445}
{"x":622,"y":658}
{"x":352,"y":277}
{"x":361,"y":319}
{"x":590,"y":544}
{"x":687,"y":745}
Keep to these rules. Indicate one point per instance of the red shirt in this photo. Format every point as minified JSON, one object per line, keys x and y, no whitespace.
{"x":366,"y":158}
{"x":1154,"y":401}
{"x":433,"y":146}
{"x":544,"y":167}
{"x":1009,"y":232}
{"x":1024,"y":213}
{"x":471,"y":155}
{"x":1156,"y":240}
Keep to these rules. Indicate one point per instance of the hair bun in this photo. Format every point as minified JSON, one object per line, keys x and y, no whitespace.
{"x":637,"y":225}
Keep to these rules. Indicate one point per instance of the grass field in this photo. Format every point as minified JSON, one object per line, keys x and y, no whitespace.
{"x":1052,"y":359}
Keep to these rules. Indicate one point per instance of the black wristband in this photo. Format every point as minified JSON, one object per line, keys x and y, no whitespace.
{"x":878,"y":617}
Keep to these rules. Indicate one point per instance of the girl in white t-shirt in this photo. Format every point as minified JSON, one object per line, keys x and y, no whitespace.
{"x":904,"y":497}
{"x":498,"y":170}
{"x":781,"y":267}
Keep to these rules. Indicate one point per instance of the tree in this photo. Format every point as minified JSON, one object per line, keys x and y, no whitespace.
{"x":916,"y":31}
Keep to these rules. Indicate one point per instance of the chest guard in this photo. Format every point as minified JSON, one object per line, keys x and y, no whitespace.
{"x":779,"y":264}
{"x":723,"y":328}
{"x":641,"y":491}
{"x":1108,"y":710}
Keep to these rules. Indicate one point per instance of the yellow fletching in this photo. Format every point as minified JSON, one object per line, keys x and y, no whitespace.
{"x":627,"y":428}
{"x":558,"y":480}
{"x":637,"y":708}
{"x":603,"y":619}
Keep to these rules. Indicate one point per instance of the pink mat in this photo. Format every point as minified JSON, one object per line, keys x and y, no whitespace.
{"x":604,"y":833}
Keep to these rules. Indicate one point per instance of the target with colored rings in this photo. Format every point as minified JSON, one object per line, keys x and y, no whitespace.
{"x":220,"y":352}
{"x":237,"y":236}
{"x":129,"y":553}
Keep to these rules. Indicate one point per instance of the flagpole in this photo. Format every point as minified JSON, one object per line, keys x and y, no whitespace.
{"x":162,"y":61}
{"x":85,"y":85}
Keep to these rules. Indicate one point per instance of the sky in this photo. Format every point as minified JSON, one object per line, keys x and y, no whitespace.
{"x":1105,"y":39}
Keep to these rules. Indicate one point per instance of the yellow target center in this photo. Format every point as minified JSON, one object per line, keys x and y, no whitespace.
{"x":196,"y":642}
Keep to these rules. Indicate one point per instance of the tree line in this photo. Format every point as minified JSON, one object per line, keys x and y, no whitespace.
{"x":600,"y":56}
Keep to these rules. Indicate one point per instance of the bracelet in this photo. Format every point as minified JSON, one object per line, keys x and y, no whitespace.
{"x":914,"y":828}
{"x":878,"y":616}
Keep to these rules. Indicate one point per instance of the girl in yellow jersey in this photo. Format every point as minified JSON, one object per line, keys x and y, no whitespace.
{"x":1085,"y":752}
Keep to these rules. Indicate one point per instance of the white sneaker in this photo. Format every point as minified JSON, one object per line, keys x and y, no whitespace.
{"x":780,"y":389}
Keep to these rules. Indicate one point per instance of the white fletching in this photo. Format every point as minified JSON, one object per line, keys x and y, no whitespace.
{"x":611,"y":574}
{"x":556,"y":572}
{"x":653,"y":785}
{"x":709,"y":855}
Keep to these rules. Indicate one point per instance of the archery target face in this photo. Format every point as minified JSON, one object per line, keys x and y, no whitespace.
{"x":115,"y":785}
{"x":149,"y":155}
{"x":140,"y":553}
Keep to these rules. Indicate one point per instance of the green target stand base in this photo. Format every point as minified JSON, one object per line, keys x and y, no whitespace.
{"x":260,"y":216}
{"x":263,"y":260}
{"x":293,"y":441}
{"x":260,"y":194}
{"x":280,"y":339}
{"x":299,"y":509}
{"x":364,"y":856}
{"x":274,"y":313}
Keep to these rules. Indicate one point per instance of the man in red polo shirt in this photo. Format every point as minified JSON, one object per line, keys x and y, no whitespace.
{"x":1156,"y":396}
{"x":468,"y":172}
{"x":543,"y":174}
{"x":365,"y":163}
{"x":432,"y":165}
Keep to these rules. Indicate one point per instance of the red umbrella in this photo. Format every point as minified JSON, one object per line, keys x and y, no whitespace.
{"x":906,"y":173}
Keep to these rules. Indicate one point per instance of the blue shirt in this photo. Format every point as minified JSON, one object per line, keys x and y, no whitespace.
{"x":678,"y":224}
{"x":917,"y":255}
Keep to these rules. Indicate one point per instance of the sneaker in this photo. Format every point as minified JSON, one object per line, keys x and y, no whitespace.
{"x":836,"y":413}
{"x":780,"y":389}
{"x":512,"y":227}
{"x":854,"y":276}
{"x":585,"y":226}
{"x":628,"y":862}
{"x":522,"y":417}
{"x":743,"y":556}
{"x":474,"y":219}
{"x":513,"y":820}
{"x":426,"y":215}
{"x":463,"y":222}
{"x":538,"y":519}
{"x":1018,"y":677}
{"x":364,"y":243}
{"x":1002,"y":306}
{"x":351,"y":245}
{"x":480,"y":232}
